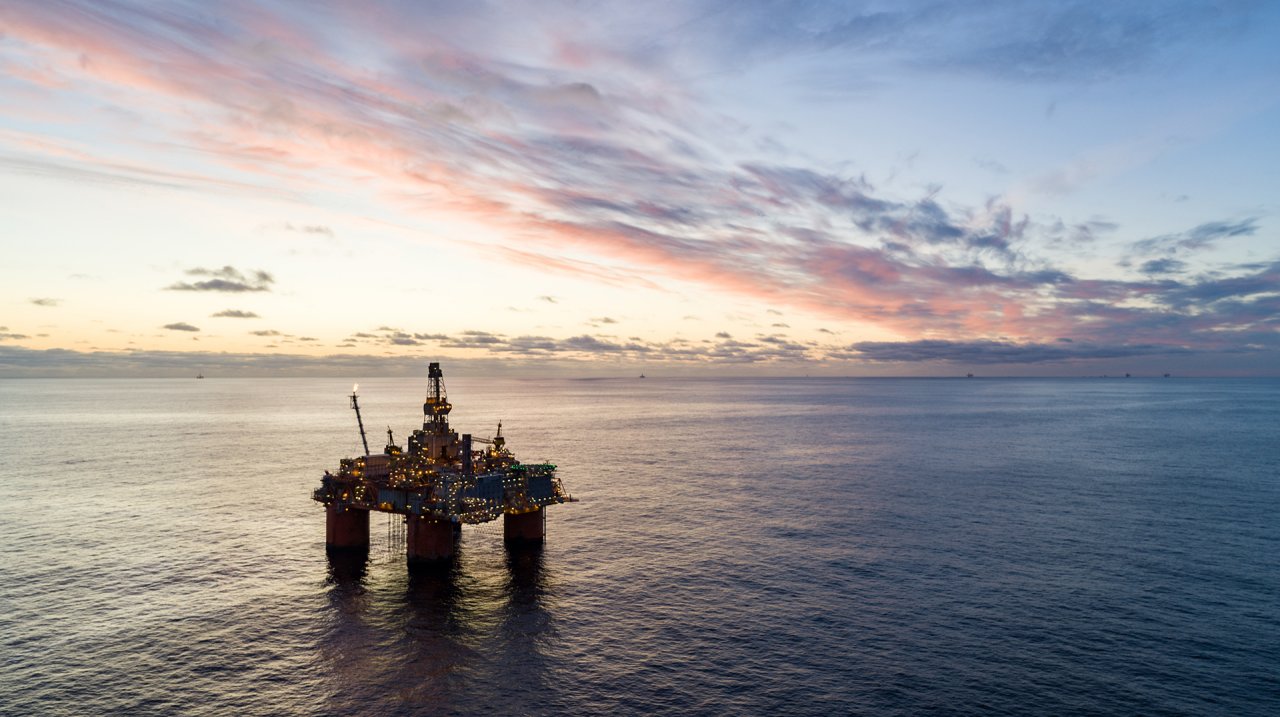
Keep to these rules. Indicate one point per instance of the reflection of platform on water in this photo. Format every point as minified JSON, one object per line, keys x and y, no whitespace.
{"x":524,"y":566}
{"x":440,"y":635}
{"x":348,"y":567}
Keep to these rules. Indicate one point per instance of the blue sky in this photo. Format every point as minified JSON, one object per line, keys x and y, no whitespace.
{"x":782,"y":188}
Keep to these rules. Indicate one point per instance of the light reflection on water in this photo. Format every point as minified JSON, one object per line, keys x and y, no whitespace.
{"x":743,"y":547}
{"x":427,"y":635}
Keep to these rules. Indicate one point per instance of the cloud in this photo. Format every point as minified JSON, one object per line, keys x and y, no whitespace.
{"x":17,"y":361}
{"x":593,"y":271}
{"x":587,"y":347}
{"x":1203,"y":236}
{"x":5,"y":335}
{"x":1163,"y":266}
{"x":593,"y":143}
{"x":475,"y":339}
{"x":266,"y":332}
{"x":235,"y":314}
{"x":1000,"y":352}
{"x":98,"y":171}
{"x":991,"y":165}
{"x":1060,"y":42}
{"x":591,"y":344}
{"x":227,"y":279}
{"x":44,"y":301}
{"x":1077,"y":42}
{"x":391,"y":336}
{"x":1059,"y":234}
{"x":316,"y":229}
{"x":1264,"y":279}
{"x":181,"y":326}
{"x":579,"y":359}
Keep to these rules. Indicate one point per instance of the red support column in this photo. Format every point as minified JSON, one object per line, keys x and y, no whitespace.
{"x":429,"y":540}
{"x":528,"y":527}
{"x":346,"y":528}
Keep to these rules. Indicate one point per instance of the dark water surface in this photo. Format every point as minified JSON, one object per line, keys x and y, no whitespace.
{"x":779,"y":547}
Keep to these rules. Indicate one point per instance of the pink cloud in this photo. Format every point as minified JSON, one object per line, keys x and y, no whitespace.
{"x":581,"y":147}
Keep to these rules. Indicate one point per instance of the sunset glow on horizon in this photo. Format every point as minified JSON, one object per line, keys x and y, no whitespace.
{"x":788,"y":189}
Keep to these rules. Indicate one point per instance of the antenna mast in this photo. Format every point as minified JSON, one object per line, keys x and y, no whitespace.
{"x":356,"y":405}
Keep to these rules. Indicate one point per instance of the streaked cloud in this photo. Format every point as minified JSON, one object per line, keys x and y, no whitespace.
{"x":235,"y":314}
{"x":44,"y":302}
{"x":181,"y":326}
{"x":1000,"y":352}
{"x":590,"y":148}
{"x":107,"y":173}
{"x":582,"y":353}
{"x":1197,"y":238}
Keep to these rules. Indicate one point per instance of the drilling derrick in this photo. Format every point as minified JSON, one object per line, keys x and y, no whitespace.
{"x":437,"y":483}
{"x":436,"y":436}
{"x":436,"y":409}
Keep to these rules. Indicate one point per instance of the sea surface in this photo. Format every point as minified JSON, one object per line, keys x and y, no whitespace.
{"x":742,"y":547}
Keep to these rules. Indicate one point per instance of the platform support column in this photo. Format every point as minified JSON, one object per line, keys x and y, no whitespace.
{"x":346,"y":528}
{"x":528,"y":527}
{"x":429,"y":541}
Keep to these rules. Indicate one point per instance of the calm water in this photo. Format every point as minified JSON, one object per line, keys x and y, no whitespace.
{"x":780,"y":547}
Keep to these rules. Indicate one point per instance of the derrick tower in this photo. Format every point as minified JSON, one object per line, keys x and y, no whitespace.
{"x":435,"y":410}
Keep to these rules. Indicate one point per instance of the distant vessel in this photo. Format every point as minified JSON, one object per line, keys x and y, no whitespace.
{"x":641,"y":375}
{"x":437,"y":482}
{"x":200,"y":375}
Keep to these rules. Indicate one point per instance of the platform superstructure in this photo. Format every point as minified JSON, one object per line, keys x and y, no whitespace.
{"x":438,"y":481}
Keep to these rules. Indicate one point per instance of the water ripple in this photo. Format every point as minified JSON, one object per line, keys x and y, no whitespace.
{"x":775,"y":547}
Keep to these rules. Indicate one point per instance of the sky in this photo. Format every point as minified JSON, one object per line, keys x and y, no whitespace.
{"x":683,"y":188}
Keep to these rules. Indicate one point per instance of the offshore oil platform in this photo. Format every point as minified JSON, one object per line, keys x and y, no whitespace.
{"x":438,"y":482}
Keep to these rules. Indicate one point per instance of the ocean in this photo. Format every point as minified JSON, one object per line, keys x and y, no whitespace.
{"x":742,"y":547}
